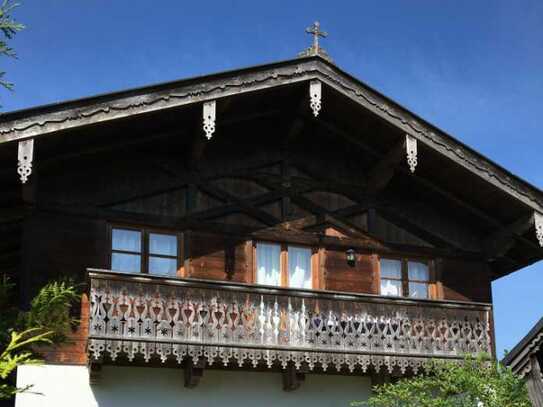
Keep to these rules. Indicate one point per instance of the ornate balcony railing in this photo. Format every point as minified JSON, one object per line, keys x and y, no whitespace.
{"x":151,"y":317}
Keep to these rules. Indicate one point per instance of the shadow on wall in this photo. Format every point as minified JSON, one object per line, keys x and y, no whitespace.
{"x":135,"y":387}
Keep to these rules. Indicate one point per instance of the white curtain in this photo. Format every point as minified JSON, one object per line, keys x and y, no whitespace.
{"x":419,"y":272}
{"x":268,"y":264}
{"x":299,"y":267}
{"x":391,"y":269}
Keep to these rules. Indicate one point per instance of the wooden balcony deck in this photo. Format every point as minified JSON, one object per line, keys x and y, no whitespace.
{"x":154,"y":318}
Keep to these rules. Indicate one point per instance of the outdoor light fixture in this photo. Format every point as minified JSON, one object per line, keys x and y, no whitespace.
{"x":351,"y":258}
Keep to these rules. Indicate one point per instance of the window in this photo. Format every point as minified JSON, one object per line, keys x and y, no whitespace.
{"x":287,"y":266}
{"x":141,"y":251}
{"x":405,"y":278}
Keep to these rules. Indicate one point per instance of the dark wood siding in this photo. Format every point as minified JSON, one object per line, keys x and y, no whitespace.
{"x":339,"y":276}
{"x":465,"y":280}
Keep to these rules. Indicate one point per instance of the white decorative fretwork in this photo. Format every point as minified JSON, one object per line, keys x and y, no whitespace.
{"x":315,"y":94}
{"x":25,"y":155}
{"x":209,"y":118}
{"x":198,"y":320}
{"x":538,"y":221}
{"x":411,"y":147}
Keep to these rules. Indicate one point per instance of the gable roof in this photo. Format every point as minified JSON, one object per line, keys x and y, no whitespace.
{"x":469,"y":188}
{"x":43,"y":120}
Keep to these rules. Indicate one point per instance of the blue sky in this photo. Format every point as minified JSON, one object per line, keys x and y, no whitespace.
{"x":473,"y":68}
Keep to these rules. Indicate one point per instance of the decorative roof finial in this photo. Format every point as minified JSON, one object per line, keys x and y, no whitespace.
{"x":315,"y":49}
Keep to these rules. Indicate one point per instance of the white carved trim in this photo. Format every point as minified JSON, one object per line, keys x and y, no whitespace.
{"x":411,"y":147}
{"x":25,"y":155}
{"x":209,"y":113}
{"x":315,"y":94}
{"x":538,"y":221}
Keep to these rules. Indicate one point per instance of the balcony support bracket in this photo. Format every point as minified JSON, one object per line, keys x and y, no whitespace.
{"x":292,"y":378}
{"x":95,"y":370}
{"x":193,"y":373}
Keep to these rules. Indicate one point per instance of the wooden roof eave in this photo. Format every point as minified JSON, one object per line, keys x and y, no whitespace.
{"x":40,"y":121}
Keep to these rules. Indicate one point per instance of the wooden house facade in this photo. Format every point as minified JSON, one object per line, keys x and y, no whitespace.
{"x":281,"y":232}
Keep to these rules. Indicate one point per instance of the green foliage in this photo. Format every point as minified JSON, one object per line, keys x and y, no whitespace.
{"x":478,"y":382}
{"x":9,"y":27}
{"x":47,"y":322}
{"x":50,"y":309}
{"x":9,"y":312}
{"x":14,"y":355}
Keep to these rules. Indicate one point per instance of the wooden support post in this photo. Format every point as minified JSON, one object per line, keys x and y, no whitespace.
{"x":292,"y":378}
{"x":378,"y":379}
{"x":95,"y":370}
{"x":285,"y":200}
{"x":193,"y":373}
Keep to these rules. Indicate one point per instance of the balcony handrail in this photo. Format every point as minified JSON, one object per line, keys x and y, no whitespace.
{"x":156,"y":316}
{"x":283,"y":291}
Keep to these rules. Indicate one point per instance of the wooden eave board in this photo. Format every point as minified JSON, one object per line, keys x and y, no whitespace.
{"x":41,"y":121}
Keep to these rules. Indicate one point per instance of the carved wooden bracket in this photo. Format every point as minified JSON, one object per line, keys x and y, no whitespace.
{"x":209,"y":113}
{"x":538,"y":221}
{"x":292,"y":378}
{"x":411,"y":147}
{"x":25,"y":155}
{"x":315,"y":95}
{"x":193,"y":373}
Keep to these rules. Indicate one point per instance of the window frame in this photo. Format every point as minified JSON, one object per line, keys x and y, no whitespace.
{"x":144,"y":247}
{"x":431,"y":282}
{"x":283,"y":263}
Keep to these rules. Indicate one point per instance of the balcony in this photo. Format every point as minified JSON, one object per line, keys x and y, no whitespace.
{"x":145,"y":318}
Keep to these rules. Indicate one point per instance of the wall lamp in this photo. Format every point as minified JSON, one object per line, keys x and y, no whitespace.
{"x":351,"y":257}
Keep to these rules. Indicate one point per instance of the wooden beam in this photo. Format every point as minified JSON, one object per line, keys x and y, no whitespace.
{"x":381,"y":173}
{"x":238,"y":204}
{"x":498,"y":244}
{"x":292,"y":378}
{"x":95,"y":370}
{"x":193,"y":373}
{"x":478,"y":213}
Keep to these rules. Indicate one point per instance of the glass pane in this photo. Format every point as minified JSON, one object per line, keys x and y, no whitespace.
{"x":124,"y":239}
{"x":391,"y":268}
{"x":127,"y":263}
{"x":163,"y":244}
{"x":391,"y":287}
{"x":267,"y":264}
{"x":162,"y":267}
{"x":418,"y":271}
{"x":299,"y":267}
{"x":418,"y":290}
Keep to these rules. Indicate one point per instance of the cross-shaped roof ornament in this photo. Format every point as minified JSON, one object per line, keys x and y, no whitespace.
{"x":315,"y":30}
{"x":315,"y":49}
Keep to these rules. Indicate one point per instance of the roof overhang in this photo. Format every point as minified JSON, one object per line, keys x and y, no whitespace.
{"x":51,"y":120}
{"x":44,"y":120}
{"x":520,"y":358}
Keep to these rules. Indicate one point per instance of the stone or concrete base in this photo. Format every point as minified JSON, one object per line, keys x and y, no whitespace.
{"x":58,"y":385}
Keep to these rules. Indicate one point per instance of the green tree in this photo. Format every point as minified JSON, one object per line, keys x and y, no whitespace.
{"x":48,"y":321}
{"x":15,"y":355}
{"x":477,"y":382}
{"x":9,"y":27}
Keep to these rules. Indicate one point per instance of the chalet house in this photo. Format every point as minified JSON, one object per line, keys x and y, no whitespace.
{"x":526,"y":360}
{"x":275,"y":235}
